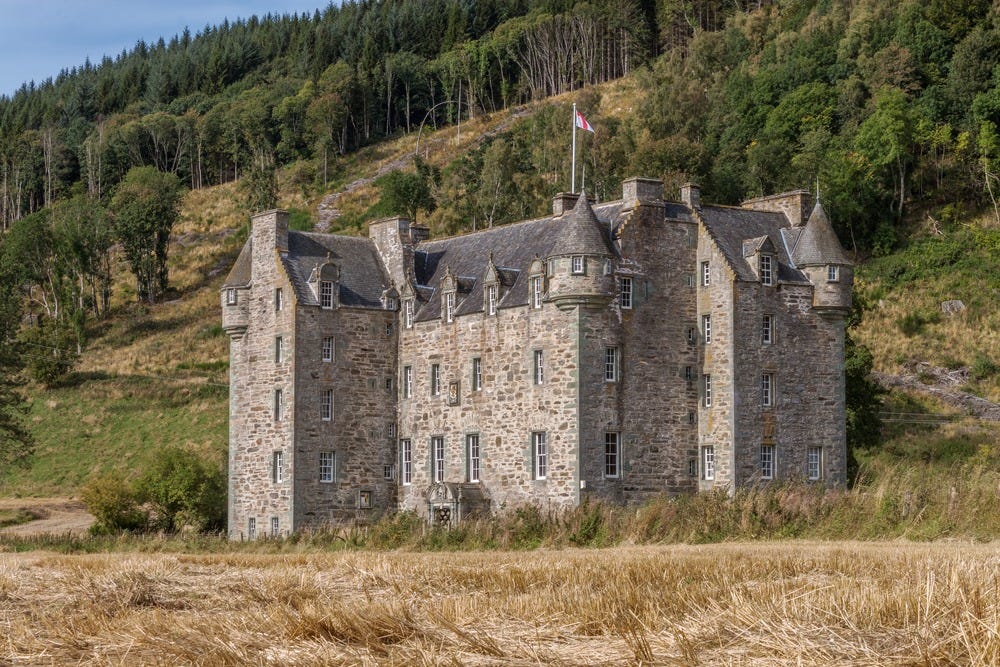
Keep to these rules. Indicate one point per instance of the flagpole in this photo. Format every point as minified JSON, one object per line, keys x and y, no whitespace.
{"x":573,"y":179}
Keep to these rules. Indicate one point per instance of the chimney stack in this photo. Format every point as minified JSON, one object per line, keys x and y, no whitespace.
{"x":691,"y":195}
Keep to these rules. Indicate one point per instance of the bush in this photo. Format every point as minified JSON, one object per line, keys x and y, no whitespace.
{"x":52,"y":351}
{"x":983,"y":367}
{"x":184,"y":490}
{"x":114,"y":504}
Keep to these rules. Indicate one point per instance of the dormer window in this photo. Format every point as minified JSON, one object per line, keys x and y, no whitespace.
{"x":491,"y":299}
{"x":390,"y":303}
{"x":231,"y":296}
{"x":326,"y":294}
{"x":279,"y":299}
{"x":577,"y":264}
{"x":766,"y":272}
{"x":408,"y":313}
{"x":832,"y":273}
{"x":536,"y":292}
{"x":449,"y":307}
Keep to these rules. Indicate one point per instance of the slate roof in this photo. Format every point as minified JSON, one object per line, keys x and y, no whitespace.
{"x":362,"y":277}
{"x":731,"y":226}
{"x":582,"y":232}
{"x":239,"y":275}
{"x":817,"y":243}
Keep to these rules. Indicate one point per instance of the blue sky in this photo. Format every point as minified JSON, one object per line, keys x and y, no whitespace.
{"x":40,"y":37}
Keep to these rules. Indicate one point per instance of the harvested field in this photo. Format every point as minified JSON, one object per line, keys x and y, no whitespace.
{"x":733,"y":604}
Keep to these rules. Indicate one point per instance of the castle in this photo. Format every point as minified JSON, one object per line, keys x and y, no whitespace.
{"x":613,"y":351}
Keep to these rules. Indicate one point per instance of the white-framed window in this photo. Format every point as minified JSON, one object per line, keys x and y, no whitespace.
{"x":706,"y":382}
{"x":326,"y":294}
{"x":407,"y":381}
{"x":388,"y":472}
{"x":832,"y":273}
{"x":231,"y":296}
{"x":275,"y":526}
{"x":278,"y":467}
{"x":279,"y":349}
{"x":706,"y":274}
{"x":364,"y":499}
{"x":252,"y":528}
{"x":326,"y":411}
{"x":279,"y":299}
{"x":612,"y":455}
{"x":449,"y":307}
{"x":279,"y":405}
{"x":611,"y":364}
{"x":539,"y":367}
{"x":536,"y":292}
{"x":814,"y":463}
{"x":328,"y":348}
{"x":767,"y":461}
{"x":767,"y":329}
{"x":437,"y":460}
{"x":540,"y":454}
{"x":435,"y":379}
{"x":408,"y":313}
{"x":491,"y":299}
{"x":766,"y":273}
{"x":477,"y":374}
{"x":577,"y":264}
{"x":327,"y":461}
{"x":472,"y":455}
{"x":625,"y":298}
{"x":406,"y":460}
{"x":706,"y":328}
{"x":767,"y":389}
{"x":708,"y":463}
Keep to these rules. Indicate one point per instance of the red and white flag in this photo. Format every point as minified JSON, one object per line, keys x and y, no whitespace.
{"x":582,"y":123}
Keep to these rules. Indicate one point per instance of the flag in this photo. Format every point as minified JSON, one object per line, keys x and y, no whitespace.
{"x":582,"y":123}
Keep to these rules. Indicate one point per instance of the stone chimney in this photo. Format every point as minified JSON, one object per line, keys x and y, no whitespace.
{"x":269,"y":230}
{"x":796,"y":205}
{"x":393,"y":240}
{"x":637,"y":190}
{"x":563,"y":202}
{"x":691,"y":195}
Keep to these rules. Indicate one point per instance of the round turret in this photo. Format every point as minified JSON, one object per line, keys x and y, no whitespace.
{"x":579,"y":262}
{"x":819,"y":255}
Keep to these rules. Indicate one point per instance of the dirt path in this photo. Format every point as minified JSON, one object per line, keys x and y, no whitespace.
{"x":55,"y":515}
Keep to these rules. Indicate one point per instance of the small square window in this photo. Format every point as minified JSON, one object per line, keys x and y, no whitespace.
{"x":577,"y":264}
{"x":833,"y":273}
{"x":390,"y":303}
{"x":364,"y":500}
{"x":231,"y":297}
{"x":389,"y":472}
{"x":626,"y":294}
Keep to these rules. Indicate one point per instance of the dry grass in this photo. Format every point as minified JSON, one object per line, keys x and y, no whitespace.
{"x":734,"y":604}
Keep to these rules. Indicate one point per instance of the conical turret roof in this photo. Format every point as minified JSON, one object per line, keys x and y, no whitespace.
{"x":582,"y":233}
{"x":818,"y":243}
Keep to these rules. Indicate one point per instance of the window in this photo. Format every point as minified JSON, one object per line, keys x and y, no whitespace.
{"x":689,"y":373}
{"x":389,"y":472}
{"x":814,"y":463}
{"x":231,"y":297}
{"x":608,"y":267}
{"x":707,"y":384}
{"x":491,"y":299}
{"x":577,"y":263}
{"x":539,"y":367}
{"x":327,"y":409}
{"x":767,"y":330}
{"x":326,"y":294}
{"x":279,"y":349}
{"x":328,"y":348}
{"x":766,"y":276}
{"x":279,"y":299}
{"x":326,"y":464}
{"x":692,"y":418}
{"x":832,"y":274}
{"x":435,"y":379}
{"x":477,"y":374}
{"x":449,"y":307}
{"x":406,"y":460}
{"x":390,"y":303}
{"x":279,"y":405}
{"x":472,"y":452}
{"x":540,"y":453}
{"x":692,"y":336}
{"x":611,"y":364}
{"x":407,"y":381}
{"x":275,"y":525}
{"x":364,"y":500}
{"x":708,"y":463}
{"x":689,"y":279}
{"x":706,"y":328}
{"x":408,"y":313}
{"x":626,"y":295}
{"x":611,"y":455}
{"x":388,"y":329}
{"x":536,"y":292}
{"x":767,"y":461}
{"x":391,"y":429}
{"x":767,"y":389}
{"x":388,"y":385}
{"x":252,"y":528}
{"x":437,"y":462}
{"x":706,"y":275}
{"x":277,"y":467}
{"x":692,"y":467}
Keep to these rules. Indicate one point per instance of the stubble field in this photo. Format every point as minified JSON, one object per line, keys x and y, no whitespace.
{"x":733,"y":604}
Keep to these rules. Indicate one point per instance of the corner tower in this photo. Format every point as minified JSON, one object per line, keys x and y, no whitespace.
{"x":579,"y":264}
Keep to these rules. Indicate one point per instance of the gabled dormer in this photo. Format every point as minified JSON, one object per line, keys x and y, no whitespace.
{"x":491,"y":288}
{"x":536,"y":283}
{"x":325,"y":285}
{"x":390,"y":298}
{"x":449,"y":296}
{"x":762,"y":256}
{"x":408,"y":304}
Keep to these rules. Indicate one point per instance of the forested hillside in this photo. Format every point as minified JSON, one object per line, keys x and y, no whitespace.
{"x":890,"y":109}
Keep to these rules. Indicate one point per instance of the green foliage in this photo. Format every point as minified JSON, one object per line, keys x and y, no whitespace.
{"x":260,"y":188}
{"x":51,"y":351}
{"x":184,"y":489}
{"x":983,"y":367}
{"x":114,"y":504}
{"x":913,"y":324}
{"x":145,"y":207}
{"x":405,"y":193}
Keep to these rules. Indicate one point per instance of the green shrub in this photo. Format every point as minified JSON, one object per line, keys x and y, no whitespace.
{"x":52,"y":351}
{"x":184,"y":490}
{"x":983,"y":367}
{"x":912,"y":324}
{"x":114,"y":504}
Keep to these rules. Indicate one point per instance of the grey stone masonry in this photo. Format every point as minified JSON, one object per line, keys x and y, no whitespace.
{"x":612,"y":350}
